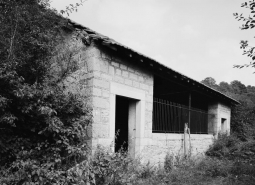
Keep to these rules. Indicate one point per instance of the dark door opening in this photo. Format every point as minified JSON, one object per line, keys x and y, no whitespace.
{"x":121,"y":123}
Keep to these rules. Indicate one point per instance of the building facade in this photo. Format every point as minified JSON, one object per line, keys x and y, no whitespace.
{"x":140,"y":105}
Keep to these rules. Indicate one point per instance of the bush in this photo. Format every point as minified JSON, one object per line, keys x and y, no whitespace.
{"x":113,"y":168}
{"x":223,"y":145}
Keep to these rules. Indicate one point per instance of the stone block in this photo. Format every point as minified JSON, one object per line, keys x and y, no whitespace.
{"x":97,"y":74}
{"x":104,"y":68}
{"x":151,"y":90}
{"x":96,"y":92}
{"x":123,"y":67}
{"x":96,"y":116}
{"x":144,"y":86}
{"x":100,"y":102}
{"x":140,"y":79}
{"x":133,"y":76}
{"x":93,"y":64}
{"x":115,"y":64}
{"x":105,"y":94}
{"x":147,"y":133}
{"x":118,"y":72}
{"x":148,"y":116}
{"x":119,"y":79}
{"x":105,"y":116}
{"x":148,"y":125}
{"x":100,"y":131}
{"x":106,"y":77}
{"x":136,"y":84}
{"x":111,"y":70}
{"x":149,"y":106}
{"x":101,"y":83}
{"x":128,"y":82}
{"x":125,"y":74}
{"x":149,"y":80}
{"x":131,"y":69}
{"x":149,"y":98}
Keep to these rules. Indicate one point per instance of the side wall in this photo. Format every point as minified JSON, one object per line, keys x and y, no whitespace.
{"x":220,"y":122}
{"x":111,"y":76}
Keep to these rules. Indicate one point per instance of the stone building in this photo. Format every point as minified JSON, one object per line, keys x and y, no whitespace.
{"x":143,"y":101}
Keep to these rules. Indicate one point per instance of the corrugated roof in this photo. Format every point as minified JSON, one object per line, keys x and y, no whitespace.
{"x":109,"y":41}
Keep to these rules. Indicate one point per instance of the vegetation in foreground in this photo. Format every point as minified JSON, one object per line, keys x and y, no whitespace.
{"x":228,"y":161}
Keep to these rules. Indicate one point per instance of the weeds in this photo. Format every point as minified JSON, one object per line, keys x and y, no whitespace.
{"x":225,"y":165}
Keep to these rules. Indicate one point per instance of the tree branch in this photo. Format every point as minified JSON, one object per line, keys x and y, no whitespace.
{"x":13,"y":36}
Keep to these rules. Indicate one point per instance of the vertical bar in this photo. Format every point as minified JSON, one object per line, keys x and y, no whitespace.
{"x":179,"y":121}
{"x":166,"y":123}
{"x":163,"y":115}
{"x":168,"y":116}
{"x":189,"y":107}
{"x":171,"y":117}
{"x":158,"y":116}
{"x":153,"y":116}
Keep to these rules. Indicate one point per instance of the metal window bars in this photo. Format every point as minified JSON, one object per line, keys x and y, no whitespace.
{"x":169,"y":117}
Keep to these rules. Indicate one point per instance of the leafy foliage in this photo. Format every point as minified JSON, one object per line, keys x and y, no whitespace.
{"x":249,"y":23}
{"x":42,"y":125}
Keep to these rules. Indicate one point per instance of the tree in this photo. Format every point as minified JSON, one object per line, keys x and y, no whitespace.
{"x":238,"y":87}
{"x":249,"y":23}
{"x":42,"y":126}
{"x":225,"y":87}
{"x":209,"y":81}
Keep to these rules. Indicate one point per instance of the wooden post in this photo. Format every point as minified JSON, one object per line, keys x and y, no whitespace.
{"x":185,"y":139}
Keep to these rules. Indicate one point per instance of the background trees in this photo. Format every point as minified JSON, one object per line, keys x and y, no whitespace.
{"x":42,"y":126}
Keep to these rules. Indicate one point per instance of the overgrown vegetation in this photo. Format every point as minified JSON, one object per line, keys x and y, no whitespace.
{"x":228,"y":161}
{"x":42,"y":126}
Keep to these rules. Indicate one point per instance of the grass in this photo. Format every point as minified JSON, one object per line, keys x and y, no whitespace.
{"x":229,"y":161}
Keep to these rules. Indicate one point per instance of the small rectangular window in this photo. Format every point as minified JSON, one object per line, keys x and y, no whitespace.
{"x":223,"y":125}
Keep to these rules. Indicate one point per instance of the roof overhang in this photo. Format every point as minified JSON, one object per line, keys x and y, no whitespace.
{"x":149,"y":63}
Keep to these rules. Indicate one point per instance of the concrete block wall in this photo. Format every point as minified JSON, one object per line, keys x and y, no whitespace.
{"x":161,"y":144}
{"x":220,"y":111}
{"x":224,"y":113}
{"x":106,"y":68}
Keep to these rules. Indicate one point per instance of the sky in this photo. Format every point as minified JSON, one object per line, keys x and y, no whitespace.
{"x":198,"y":38}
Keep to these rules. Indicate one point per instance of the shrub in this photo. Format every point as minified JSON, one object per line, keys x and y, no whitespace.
{"x":113,"y":168}
{"x":223,"y":145}
{"x":169,"y":162}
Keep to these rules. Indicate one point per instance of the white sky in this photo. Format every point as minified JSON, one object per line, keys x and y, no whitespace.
{"x":199,"y":38}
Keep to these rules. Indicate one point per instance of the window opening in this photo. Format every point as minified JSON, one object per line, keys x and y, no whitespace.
{"x":169,"y":117}
{"x":223,"y":124}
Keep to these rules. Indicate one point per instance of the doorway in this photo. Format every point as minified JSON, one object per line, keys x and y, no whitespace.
{"x":125,"y":124}
{"x":223,"y":125}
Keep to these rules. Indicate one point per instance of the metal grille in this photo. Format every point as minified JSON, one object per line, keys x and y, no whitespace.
{"x":169,"y":117}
